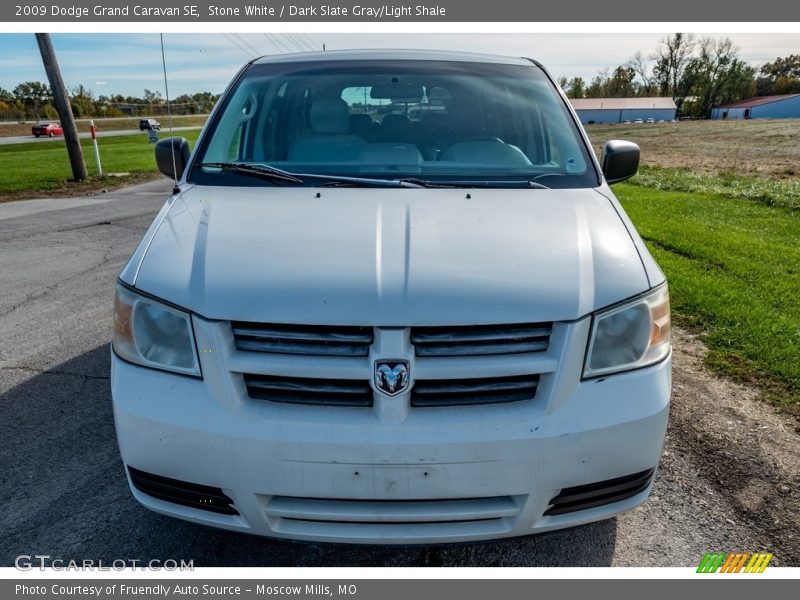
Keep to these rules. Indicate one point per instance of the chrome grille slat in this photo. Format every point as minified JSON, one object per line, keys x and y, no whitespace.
{"x":340,"y":387}
{"x":305,"y":336}
{"x":311,"y":340}
{"x":481,"y":349}
{"x":319,"y":392}
{"x":308,"y":349}
{"x":479,"y":385}
{"x":481,"y":340}
{"x":469,"y":335}
{"x":459,"y":392}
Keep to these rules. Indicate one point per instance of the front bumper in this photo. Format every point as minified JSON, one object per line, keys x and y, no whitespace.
{"x":432,"y":475}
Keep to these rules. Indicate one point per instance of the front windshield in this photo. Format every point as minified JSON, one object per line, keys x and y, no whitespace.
{"x":428,"y":121}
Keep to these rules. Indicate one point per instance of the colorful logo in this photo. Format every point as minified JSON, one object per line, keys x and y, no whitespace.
{"x":744,"y":562}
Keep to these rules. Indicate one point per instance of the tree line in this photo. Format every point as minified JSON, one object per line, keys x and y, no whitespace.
{"x":699,"y":73}
{"x":33,"y":101}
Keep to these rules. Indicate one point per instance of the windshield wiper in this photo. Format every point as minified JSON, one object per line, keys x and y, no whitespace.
{"x":345,"y":181}
{"x":522,"y":183}
{"x":255,"y":170}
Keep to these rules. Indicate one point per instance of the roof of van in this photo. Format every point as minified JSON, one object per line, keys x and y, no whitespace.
{"x":388,"y":54}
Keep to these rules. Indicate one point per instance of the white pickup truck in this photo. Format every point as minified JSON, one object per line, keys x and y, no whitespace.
{"x":392,"y":299}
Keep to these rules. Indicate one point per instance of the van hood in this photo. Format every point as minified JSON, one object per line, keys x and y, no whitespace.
{"x":391,"y":257}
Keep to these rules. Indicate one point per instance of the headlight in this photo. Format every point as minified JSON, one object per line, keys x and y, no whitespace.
{"x":152,"y":334}
{"x":629,"y":336}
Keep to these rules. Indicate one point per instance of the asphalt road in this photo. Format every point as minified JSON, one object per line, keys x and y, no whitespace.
{"x":62,"y":483}
{"x":24,"y":139}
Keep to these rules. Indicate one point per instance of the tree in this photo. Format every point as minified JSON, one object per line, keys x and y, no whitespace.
{"x":788,"y":67}
{"x":32,"y":91}
{"x":575,"y":88}
{"x":782,"y":76}
{"x":719,"y":76}
{"x":82,"y":101}
{"x":153,"y":97}
{"x":598,"y":88}
{"x":31,"y":97}
{"x":621,"y":83}
{"x":672,"y":58}
{"x":641,"y":67}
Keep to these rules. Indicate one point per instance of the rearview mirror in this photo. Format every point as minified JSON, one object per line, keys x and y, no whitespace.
{"x":620,"y":160}
{"x":397,"y":92}
{"x":164,"y":156}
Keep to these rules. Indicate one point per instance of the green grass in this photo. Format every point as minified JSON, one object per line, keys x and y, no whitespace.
{"x":44,"y":166}
{"x":772,"y":192}
{"x":734,"y":272}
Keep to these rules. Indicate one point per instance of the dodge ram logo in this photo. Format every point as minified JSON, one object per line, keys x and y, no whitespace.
{"x":391,"y":376}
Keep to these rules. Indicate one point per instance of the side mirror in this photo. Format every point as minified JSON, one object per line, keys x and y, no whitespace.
{"x":620,"y":160}
{"x":164,"y":152}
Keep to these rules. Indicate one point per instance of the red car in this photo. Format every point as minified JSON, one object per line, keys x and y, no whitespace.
{"x":48,"y":129}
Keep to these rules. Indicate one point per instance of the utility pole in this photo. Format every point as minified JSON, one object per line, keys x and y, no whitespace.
{"x":62,"y":106}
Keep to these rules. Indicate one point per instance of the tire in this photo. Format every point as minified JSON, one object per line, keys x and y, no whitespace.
{"x":51,"y":134}
{"x":36,"y":135}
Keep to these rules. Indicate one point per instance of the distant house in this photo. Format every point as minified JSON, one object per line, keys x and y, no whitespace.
{"x":619,"y":110}
{"x":786,"y":106}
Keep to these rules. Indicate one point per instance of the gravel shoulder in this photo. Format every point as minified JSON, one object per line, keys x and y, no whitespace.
{"x":731,"y":461}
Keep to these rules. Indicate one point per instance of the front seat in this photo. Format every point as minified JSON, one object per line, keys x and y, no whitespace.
{"x":329,"y":140}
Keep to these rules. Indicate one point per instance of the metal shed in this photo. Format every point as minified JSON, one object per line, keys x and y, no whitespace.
{"x":784,"y":106}
{"x":619,"y":110}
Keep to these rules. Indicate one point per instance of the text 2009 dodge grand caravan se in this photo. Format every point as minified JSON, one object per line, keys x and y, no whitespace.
{"x":392,"y":299}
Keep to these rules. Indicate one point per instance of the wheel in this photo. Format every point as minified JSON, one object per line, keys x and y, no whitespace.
{"x":51,"y":134}
{"x":36,"y":135}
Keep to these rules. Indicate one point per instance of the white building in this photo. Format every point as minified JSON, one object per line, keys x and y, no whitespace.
{"x":619,"y":110}
{"x":785,"y":106}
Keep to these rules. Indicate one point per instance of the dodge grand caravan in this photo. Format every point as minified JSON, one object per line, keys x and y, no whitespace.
{"x":392,"y":299}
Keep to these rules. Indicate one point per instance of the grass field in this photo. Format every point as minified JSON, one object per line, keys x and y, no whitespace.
{"x":718,"y":203}
{"x":753,"y":148}
{"x":13,"y":129}
{"x":734,"y":273}
{"x":38,"y":169}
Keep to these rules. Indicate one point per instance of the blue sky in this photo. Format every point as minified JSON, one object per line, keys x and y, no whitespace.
{"x":129,"y":63}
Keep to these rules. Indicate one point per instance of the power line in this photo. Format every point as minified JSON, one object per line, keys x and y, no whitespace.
{"x":235,"y":43}
{"x":311,"y":41}
{"x":291,"y":42}
{"x":247,"y":44}
{"x":277,"y":43}
{"x":300,"y":42}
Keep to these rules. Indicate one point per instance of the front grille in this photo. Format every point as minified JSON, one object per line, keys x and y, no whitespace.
{"x":314,"y":340}
{"x":599,"y":494}
{"x":299,"y":390}
{"x":462,"y":392}
{"x":182,"y":492}
{"x":477,"y":340}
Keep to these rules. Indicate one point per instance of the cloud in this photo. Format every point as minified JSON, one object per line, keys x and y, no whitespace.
{"x":128,"y":63}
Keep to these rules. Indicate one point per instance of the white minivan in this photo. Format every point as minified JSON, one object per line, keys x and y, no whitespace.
{"x":392,"y":299}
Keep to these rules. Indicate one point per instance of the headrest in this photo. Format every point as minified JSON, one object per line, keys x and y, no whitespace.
{"x":361,"y":124}
{"x":330,"y":116}
{"x":394,"y":121}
